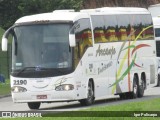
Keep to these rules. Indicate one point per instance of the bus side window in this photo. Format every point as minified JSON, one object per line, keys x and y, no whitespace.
{"x":111,"y":25}
{"x":99,"y":28}
{"x":157,"y":32}
{"x":136,"y":25}
{"x":83,"y":38}
{"x":139,"y":25}
{"x":123,"y":27}
{"x":147,"y":33}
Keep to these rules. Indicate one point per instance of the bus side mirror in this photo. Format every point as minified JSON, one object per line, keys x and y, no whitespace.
{"x":5,"y":40}
{"x":72,"y":40}
{"x":4,"y":44}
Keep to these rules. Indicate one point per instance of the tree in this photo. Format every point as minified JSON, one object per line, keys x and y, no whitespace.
{"x":11,"y":10}
{"x":8,"y":12}
{"x":119,"y":3}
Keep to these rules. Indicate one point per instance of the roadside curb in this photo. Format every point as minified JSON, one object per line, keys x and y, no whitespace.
{"x":3,"y":96}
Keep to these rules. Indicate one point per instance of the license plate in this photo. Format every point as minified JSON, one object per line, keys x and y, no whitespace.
{"x":41,"y":96}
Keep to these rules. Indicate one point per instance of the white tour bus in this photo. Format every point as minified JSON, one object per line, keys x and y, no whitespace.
{"x":154,"y":9}
{"x":83,"y":56}
{"x":156,"y":23}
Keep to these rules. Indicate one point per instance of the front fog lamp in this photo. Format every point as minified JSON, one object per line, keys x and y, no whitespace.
{"x":17,"y":89}
{"x":64,"y":87}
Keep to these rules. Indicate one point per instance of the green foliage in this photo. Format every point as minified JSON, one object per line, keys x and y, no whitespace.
{"x":4,"y":58}
{"x":11,"y":10}
{"x":1,"y":32}
{"x":8,"y":12}
{"x":5,"y":88}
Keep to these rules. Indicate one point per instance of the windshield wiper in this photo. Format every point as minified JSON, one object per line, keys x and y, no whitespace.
{"x":39,"y":69}
{"x":31,"y":68}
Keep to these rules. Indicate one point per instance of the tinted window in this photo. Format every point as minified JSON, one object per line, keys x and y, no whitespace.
{"x":83,"y":38}
{"x":123,"y":27}
{"x":141,"y":26}
{"x":108,"y":28}
{"x":98,"y":28}
{"x":157,"y":32}
{"x":158,"y":48}
{"x":111,"y":27}
{"x":148,"y":32}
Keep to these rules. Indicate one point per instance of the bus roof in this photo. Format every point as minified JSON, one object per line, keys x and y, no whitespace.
{"x":118,"y":10}
{"x":70,"y":15}
{"x":53,"y":16}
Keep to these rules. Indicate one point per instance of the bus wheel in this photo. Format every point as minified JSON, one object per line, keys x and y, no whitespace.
{"x":134,"y":93}
{"x":141,"y":89}
{"x":34,"y":105}
{"x":90,"y":96}
{"x":122,"y":96}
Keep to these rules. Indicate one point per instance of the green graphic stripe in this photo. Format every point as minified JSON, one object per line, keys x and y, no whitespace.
{"x":131,"y":65}
{"x":131,"y":46}
{"x":126,"y":72}
{"x":141,"y":33}
{"x":121,"y":49}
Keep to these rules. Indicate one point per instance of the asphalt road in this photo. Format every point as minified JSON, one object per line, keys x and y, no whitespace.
{"x":6,"y":103}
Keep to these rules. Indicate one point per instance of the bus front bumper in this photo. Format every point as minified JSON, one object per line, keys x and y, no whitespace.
{"x":45,"y":96}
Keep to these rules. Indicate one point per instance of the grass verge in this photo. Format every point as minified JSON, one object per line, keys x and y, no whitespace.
{"x":122,"y":110}
{"x":112,"y":112}
{"x":5,"y":88}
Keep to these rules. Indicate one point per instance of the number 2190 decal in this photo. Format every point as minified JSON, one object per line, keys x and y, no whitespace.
{"x":20,"y":82}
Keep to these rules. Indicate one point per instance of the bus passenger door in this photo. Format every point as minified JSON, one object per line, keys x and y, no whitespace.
{"x":101,"y":79}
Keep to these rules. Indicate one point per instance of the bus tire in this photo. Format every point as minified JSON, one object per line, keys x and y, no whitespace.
{"x":141,"y":88}
{"x":122,"y":96}
{"x":90,"y":96}
{"x":34,"y":105}
{"x":134,"y":93}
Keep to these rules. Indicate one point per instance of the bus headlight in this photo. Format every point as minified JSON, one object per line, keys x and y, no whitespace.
{"x":17,"y":89}
{"x":65,"y":87}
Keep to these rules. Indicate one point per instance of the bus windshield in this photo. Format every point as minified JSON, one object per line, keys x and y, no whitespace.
{"x":41,"y":49}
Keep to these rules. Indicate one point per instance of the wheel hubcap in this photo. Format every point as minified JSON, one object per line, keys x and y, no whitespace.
{"x":90,"y":92}
{"x":135,"y":89}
